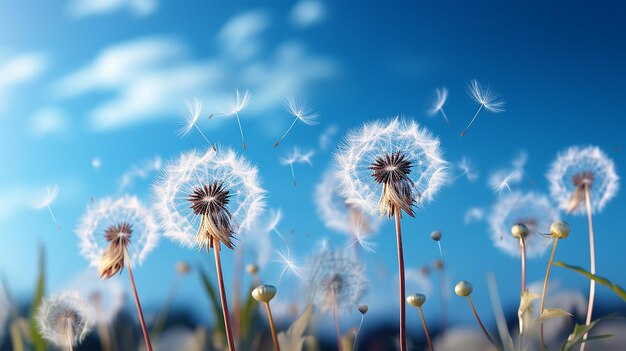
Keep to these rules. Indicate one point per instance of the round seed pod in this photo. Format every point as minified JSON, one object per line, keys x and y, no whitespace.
{"x":559,"y":229}
{"x":463,"y":288}
{"x":252,"y":268}
{"x":416,"y":300}
{"x":436,"y":235}
{"x":519,"y":230}
{"x":363,"y":309}
{"x":264,"y":293}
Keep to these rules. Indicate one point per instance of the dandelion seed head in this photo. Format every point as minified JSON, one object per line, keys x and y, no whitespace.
{"x":183,"y":220}
{"x":51,"y":195}
{"x":335,"y":281}
{"x":302,"y":112}
{"x":117,"y":218}
{"x":414,"y":156}
{"x":486,"y":97}
{"x":442,"y":96}
{"x":64,"y":320}
{"x":533,"y":210}
{"x":578,"y":166}
{"x":242,"y":100}
{"x":192,"y":114}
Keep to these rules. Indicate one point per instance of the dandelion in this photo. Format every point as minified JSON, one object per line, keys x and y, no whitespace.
{"x":264,"y":294}
{"x":241,"y":102}
{"x":467,"y":170}
{"x":64,"y":320}
{"x":484,"y":97}
{"x":363,"y":310}
{"x":51,"y":195}
{"x":504,"y":178}
{"x":465,"y":289}
{"x":289,"y":264}
{"x":390,"y":167}
{"x":558,"y":230}
{"x":193,"y":112}
{"x":300,"y":113}
{"x":442,"y":96}
{"x":335,"y":283}
{"x":436,"y":236}
{"x":106,"y":231}
{"x":584,"y":175}
{"x":204,"y":200}
{"x":417,"y":300}
{"x":296,"y":156}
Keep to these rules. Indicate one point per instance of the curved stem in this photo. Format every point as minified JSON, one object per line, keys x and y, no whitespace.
{"x":144,"y":329}
{"x":220,"y":280}
{"x":357,"y":332}
{"x":592,"y":254}
{"x":545,"y":287}
{"x":430,"y":343}
{"x":402,"y":287}
{"x":337,"y":329}
{"x":272,"y":327}
{"x":480,"y":323}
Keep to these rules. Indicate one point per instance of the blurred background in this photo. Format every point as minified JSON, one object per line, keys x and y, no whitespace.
{"x":92,"y":94}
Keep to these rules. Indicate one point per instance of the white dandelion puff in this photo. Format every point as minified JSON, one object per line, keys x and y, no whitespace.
{"x":241,"y":102}
{"x":485,"y":98}
{"x":578,"y":165}
{"x":300,"y":113}
{"x":288,"y":264}
{"x":193,"y":171}
{"x":64,"y":320}
{"x":192,"y":114}
{"x":51,"y":195}
{"x":533,"y":210}
{"x":442,"y":96}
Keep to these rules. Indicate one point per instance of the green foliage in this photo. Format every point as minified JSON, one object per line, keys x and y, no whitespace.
{"x":551,"y":313}
{"x":576,"y":337}
{"x":38,"y":342}
{"x":600,"y":280}
{"x":220,"y":329}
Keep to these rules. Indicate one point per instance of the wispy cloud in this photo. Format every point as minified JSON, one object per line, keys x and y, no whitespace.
{"x":307,"y":13}
{"x":49,"y":120}
{"x":85,"y":8}
{"x":139,"y":171}
{"x":240,"y":36}
{"x":16,"y":70}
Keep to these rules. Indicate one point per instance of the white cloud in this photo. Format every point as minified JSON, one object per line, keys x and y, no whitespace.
{"x":240,"y":35}
{"x":84,"y":8}
{"x":49,"y":120}
{"x":19,"y":69}
{"x":308,"y":12}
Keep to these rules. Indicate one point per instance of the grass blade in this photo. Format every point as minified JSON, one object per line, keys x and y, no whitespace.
{"x":600,"y":280}
{"x":38,"y":343}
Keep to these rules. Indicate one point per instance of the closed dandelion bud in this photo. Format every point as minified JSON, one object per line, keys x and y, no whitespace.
{"x":363,"y":309}
{"x":252,"y":268}
{"x":436,"y":235}
{"x":519,"y":230}
{"x":559,"y":229}
{"x":463,"y":288}
{"x":183,"y":268}
{"x":264,"y":293}
{"x":416,"y":300}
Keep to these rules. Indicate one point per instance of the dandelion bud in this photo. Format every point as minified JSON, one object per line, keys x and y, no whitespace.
{"x":183,"y":268}
{"x":436,"y":235}
{"x":463,"y":288}
{"x":363,"y":309}
{"x":252,"y":269}
{"x":559,"y":229}
{"x":519,"y":230}
{"x":264,"y":293}
{"x":416,"y":300}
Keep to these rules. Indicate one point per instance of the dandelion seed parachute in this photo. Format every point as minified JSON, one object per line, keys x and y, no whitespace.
{"x":65,"y":320}
{"x":531,"y":209}
{"x":578,"y":160}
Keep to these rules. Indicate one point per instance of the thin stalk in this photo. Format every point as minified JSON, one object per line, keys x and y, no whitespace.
{"x":443,"y":112}
{"x":16,"y":337}
{"x":53,"y":217}
{"x":522,"y":244}
{"x":357,"y":332}
{"x":480,"y":323}
{"x":336,"y":317}
{"x":287,"y":132}
{"x":592,"y":253}
{"x":545,"y":287}
{"x":402,"y":287}
{"x":272,"y":327}
{"x":293,"y":174}
{"x":241,"y":130}
{"x":430,"y":343}
{"x":238,"y":274}
{"x":472,"y":121}
{"x":220,"y":280}
{"x":205,"y":138}
{"x":440,"y":250}
{"x":146,"y":336}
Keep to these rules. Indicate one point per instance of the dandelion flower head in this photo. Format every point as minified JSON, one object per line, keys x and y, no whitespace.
{"x":64,"y":320}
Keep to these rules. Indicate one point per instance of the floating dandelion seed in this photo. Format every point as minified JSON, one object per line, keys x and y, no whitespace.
{"x":534,"y":210}
{"x":51,"y":195}
{"x":584,"y":175}
{"x":486,"y":98}
{"x":289,"y":264}
{"x":389,"y":167}
{"x":442,"y":96}
{"x":466,"y":170}
{"x":64,"y":320}
{"x":192,"y":114}
{"x":296,"y":156}
{"x":504,"y":178}
{"x":240,"y":103}
{"x":300,"y":113}
{"x":204,"y":200}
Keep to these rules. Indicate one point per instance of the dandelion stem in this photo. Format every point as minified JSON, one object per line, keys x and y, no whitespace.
{"x":238,"y":274}
{"x":443,"y":112}
{"x":240,"y":130}
{"x":543,"y":292}
{"x":293,"y":174}
{"x":205,"y":138}
{"x":53,"y":217}
{"x":357,"y":332}
{"x":430,"y":343}
{"x":402,"y":287}
{"x":472,"y":121}
{"x":440,"y":250}
{"x":480,"y":323}
{"x":336,"y":317}
{"x":287,"y":132}
{"x":220,"y":280}
{"x":272,"y":326}
{"x":146,"y":337}
{"x":592,"y":253}
{"x":522,"y":244}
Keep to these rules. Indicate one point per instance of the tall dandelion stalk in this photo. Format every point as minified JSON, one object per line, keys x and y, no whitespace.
{"x":300,"y":113}
{"x":520,"y":232}
{"x":264,"y":294}
{"x":485,"y":98}
{"x":204,"y":200}
{"x":573,"y":176}
{"x":51,"y":195}
{"x":464,"y":289}
{"x":241,"y":102}
{"x":389,"y":168}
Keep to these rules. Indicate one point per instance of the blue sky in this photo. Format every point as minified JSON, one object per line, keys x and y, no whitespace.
{"x":109,"y":82}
